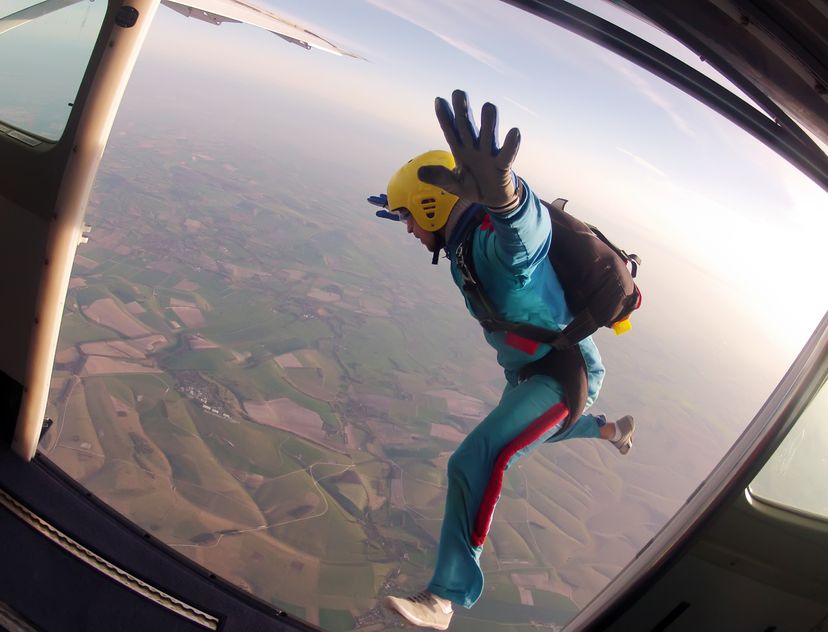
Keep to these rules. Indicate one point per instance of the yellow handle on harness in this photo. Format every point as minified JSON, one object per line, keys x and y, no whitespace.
{"x":622,"y":326}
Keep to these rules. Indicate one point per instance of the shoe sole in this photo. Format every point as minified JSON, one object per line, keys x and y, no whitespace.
{"x":624,"y":444}
{"x":412,"y":619}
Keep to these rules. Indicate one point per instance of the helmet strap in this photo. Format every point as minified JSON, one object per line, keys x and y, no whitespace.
{"x":439,"y":244}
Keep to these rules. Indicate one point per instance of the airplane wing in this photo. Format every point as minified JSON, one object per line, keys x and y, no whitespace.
{"x":39,"y":9}
{"x":218,"y":11}
{"x":212,"y":11}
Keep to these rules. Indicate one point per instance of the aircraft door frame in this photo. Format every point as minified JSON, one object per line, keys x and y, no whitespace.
{"x":47,"y":211}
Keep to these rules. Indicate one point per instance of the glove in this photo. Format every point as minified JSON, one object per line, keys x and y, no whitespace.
{"x":484,"y":172}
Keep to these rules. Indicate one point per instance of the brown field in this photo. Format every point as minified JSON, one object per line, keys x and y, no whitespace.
{"x":288,"y":360}
{"x":251,"y":482}
{"x":106,"y":312}
{"x":351,"y":434}
{"x":70,"y":354}
{"x":107,"y":238}
{"x":269,"y":568}
{"x":148,"y":344}
{"x":240,"y":272}
{"x":98,"y":365}
{"x":322,"y":295}
{"x":197,"y":343}
{"x":84,"y":262}
{"x":177,"y":302}
{"x":190,"y":316}
{"x":374,"y":306}
{"x":444,"y":431}
{"x":380,"y":403}
{"x":112,"y":349}
{"x":461,"y":405}
{"x":187,"y":286}
{"x":397,"y":495}
{"x":534,"y":580}
{"x":207,"y":262}
{"x":77,"y":462}
{"x":292,"y":275}
{"x":76,"y":282}
{"x":135,"y":308}
{"x":285,"y":414}
{"x":164,"y":266}
{"x":387,"y":433}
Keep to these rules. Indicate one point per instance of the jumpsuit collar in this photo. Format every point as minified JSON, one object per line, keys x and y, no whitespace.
{"x":462,"y":216}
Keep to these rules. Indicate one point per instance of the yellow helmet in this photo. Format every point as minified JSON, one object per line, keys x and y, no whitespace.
{"x":429,"y":205}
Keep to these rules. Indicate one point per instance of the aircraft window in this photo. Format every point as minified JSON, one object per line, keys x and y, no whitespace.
{"x":794,"y":477}
{"x":44,"y":50}
{"x":270,"y":379}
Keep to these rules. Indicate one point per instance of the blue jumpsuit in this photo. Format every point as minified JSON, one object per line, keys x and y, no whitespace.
{"x":510,"y":257}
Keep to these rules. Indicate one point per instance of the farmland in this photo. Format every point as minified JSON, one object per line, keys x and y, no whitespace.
{"x":233,"y":376}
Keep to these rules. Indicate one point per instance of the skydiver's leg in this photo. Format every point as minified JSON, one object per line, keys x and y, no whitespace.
{"x":586,"y":427}
{"x":525,"y":417}
{"x":619,"y":433}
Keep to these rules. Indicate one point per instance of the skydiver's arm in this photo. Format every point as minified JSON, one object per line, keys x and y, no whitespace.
{"x":523,"y":235}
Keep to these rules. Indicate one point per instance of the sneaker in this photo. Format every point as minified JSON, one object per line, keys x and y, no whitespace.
{"x":423,"y":609}
{"x":626,"y":425}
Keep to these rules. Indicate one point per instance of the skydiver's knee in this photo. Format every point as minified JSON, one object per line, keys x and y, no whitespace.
{"x":464,"y":461}
{"x":456,"y":465}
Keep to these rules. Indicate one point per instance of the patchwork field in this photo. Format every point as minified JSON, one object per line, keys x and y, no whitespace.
{"x":238,"y":379}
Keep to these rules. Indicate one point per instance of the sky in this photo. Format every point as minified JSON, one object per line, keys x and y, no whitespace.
{"x":42,"y":63}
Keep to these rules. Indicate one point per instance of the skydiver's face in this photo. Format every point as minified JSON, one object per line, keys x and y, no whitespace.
{"x":426,"y":238}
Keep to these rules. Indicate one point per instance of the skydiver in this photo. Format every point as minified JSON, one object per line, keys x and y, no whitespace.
{"x":440,"y":196}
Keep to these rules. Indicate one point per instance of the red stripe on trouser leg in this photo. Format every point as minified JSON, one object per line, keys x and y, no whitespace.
{"x":534,"y":432}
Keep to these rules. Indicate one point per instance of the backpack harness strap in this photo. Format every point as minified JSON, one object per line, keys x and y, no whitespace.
{"x":582,"y":325}
{"x":633,"y":259}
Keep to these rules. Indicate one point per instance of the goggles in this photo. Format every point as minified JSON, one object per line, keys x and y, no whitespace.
{"x":403,"y":213}
{"x":398,"y":214}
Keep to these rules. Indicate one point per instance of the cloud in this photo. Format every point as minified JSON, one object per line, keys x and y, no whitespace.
{"x":639,"y":160}
{"x":434,"y":18}
{"x":521,"y":106}
{"x":656,"y":95}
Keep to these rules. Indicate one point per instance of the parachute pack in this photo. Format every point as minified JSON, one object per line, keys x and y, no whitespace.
{"x":595,"y":274}
{"x":597,"y":280}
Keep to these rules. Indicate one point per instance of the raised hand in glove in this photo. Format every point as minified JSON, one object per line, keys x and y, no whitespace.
{"x":484,"y":171}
